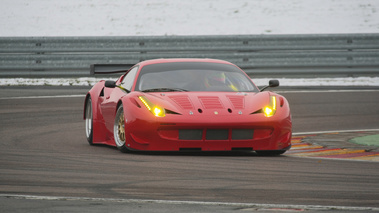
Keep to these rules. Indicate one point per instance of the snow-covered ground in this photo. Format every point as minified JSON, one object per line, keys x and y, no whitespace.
{"x":358,"y":81}
{"x":189,"y":17}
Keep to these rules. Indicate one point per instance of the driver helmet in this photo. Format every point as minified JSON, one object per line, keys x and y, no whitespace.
{"x":215,"y":79}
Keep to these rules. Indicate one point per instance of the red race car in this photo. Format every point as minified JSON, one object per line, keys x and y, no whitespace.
{"x":187,"y":105}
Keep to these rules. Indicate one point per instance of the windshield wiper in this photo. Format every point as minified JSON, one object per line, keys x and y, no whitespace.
{"x":165,"y":90}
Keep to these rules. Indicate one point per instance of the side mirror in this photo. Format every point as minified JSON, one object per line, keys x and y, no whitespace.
{"x":271,"y":83}
{"x":110,"y":84}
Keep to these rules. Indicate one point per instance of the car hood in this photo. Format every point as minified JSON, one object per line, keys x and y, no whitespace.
{"x":204,"y":103}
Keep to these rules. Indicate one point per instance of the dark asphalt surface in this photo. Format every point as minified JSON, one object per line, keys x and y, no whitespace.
{"x":43,"y":152}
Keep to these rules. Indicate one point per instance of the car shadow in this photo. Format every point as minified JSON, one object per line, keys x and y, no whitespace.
{"x":203,"y":153}
{"x":192,"y":153}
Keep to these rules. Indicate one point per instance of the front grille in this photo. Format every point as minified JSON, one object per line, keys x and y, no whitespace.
{"x":190,"y":134}
{"x":216,"y":134}
{"x":242,"y":134}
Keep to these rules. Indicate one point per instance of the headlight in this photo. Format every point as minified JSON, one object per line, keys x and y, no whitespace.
{"x":156,"y":110}
{"x":270,"y":110}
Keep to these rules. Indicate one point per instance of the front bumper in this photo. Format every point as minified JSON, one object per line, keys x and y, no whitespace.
{"x":215,"y":135}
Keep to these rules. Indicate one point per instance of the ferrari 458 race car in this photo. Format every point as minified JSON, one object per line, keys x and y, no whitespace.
{"x":187,"y":105}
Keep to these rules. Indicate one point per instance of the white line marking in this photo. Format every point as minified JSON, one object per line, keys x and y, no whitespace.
{"x":202,"y":203}
{"x":335,"y":131}
{"x":48,"y":96}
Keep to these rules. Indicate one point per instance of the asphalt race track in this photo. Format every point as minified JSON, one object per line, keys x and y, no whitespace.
{"x":46,"y":164}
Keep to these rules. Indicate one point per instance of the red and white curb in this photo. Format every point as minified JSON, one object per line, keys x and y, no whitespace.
{"x":300,"y":148}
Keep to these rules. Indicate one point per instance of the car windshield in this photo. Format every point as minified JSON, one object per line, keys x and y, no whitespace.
{"x":193,"y":76}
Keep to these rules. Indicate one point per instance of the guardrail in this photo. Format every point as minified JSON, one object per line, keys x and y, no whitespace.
{"x":258,"y":55}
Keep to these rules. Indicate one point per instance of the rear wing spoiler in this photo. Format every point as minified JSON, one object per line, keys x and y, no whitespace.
{"x":109,"y":68}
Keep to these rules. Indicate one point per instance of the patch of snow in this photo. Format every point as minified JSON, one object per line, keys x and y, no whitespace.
{"x":90,"y":81}
{"x":347,"y":81}
{"x":50,"y":81}
{"x":190,"y":17}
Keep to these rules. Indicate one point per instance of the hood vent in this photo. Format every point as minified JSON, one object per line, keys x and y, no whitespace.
{"x":211,"y":102}
{"x":237,"y":101}
{"x":183,"y":101}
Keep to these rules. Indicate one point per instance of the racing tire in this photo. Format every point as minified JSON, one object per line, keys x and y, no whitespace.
{"x":119,"y":130}
{"x":89,"y":121}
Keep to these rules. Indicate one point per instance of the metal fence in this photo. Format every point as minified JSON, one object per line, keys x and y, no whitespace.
{"x":258,"y":55}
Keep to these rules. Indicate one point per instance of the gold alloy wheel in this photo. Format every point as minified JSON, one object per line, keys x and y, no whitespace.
{"x":121,"y":128}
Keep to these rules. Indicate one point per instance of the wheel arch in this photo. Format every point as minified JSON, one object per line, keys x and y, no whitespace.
{"x":118,"y":104}
{"x":94,"y":94}
{"x":85,"y":105}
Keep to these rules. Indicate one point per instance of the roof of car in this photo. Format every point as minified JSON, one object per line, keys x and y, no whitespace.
{"x":173,"y":60}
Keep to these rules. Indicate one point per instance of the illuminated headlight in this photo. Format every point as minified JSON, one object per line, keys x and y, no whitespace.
{"x":270,"y":110}
{"x":159,"y":112}
{"x":156,"y":110}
